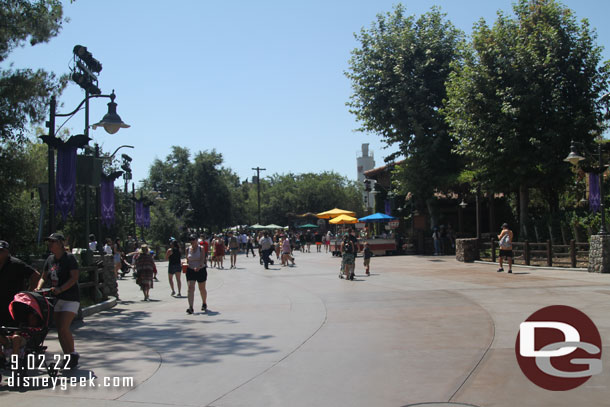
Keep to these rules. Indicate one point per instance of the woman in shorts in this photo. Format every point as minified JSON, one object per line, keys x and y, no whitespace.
{"x":61,"y":270}
{"x":174,"y":267}
{"x":196,"y":272}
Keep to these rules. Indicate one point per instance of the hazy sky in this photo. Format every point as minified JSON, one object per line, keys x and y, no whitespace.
{"x":262,"y":82}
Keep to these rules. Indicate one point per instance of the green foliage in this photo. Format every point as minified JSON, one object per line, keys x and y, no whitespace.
{"x":525,"y":88}
{"x":24,"y":92}
{"x":398,"y":78}
{"x":290,"y":194}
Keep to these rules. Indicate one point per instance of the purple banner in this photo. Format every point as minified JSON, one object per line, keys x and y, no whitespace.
{"x":594,"y":195}
{"x":107,"y":198}
{"x":139,"y":212}
{"x":65,"y":182}
{"x":146,"y":216}
{"x":388,"y":208}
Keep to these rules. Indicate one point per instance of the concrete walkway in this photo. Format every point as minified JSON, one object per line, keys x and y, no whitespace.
{"x":419,"y":331}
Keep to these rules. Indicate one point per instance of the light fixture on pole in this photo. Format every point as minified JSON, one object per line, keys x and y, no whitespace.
{"x":111,"y":122}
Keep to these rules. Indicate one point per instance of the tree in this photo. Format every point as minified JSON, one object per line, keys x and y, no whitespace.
{"x":210,"y":195}
{"x":525,"y":88}
{"x":24,"y":92}
{"x":398,"y":78}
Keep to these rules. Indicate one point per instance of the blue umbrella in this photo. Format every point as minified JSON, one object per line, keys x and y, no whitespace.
{"x":377,"y":217}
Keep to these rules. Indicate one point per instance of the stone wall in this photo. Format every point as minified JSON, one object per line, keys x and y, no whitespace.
{"x":599,"y":254}
{"x":466,"y":250}
{"x":108,"y":279}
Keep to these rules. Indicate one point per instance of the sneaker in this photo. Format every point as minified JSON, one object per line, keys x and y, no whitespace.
{"x":204,"y":307}
{"x":500,"y":270}
{"x":173,"y":293}
{"x":510,"y":271}
{"x":73,"y":362}
{"x":189,"y":311}
{"x":179,"y":295}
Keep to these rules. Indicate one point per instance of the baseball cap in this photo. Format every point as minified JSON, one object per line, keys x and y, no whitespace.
{"x":192,"y":237}
{"x":4,"y":244}
{"x":55,"y":236}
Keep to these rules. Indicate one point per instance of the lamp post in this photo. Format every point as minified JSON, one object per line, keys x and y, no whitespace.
{"x":258,"y":188}
{"x":111,"y":122}
{"x":575,"y":158}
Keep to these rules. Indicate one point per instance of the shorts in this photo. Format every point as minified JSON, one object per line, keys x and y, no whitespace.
{"x":348,"y":258}
{"x":174,"y":268}
{"x":367,"y":262}
{"x":67,"y":306}
{"x":506,"y":253}
{"x":234,"y":250}
{"x":200,"y":276}
{"x":117,"y":258}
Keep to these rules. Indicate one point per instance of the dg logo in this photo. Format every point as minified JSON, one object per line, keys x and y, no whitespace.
{"x":559,"y":348}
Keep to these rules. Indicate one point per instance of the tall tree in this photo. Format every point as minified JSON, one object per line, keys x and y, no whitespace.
{"x":398,"y":78}
{"x":525,"y":88}
{"x":24,"y":92}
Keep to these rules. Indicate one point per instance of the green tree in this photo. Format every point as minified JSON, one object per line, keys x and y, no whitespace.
{"x":525,"y":88}
{"x":24,"y":92}
{"x":398,"y":78}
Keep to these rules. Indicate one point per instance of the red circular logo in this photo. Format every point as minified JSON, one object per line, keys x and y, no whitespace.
{"x":559,"y":348}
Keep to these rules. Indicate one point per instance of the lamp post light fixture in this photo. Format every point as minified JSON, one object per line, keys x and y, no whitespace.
{"x":575,"y":158}
{"x":110,"y":119}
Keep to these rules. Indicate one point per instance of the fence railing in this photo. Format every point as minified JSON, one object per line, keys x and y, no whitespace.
{"x":572,"y":255}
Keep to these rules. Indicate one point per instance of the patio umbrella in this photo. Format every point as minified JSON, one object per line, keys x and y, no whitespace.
{"x":333,"y":213}
{"x":307,"y":226}
{"x":377,"y":217}
{"x":257,"y":227}
{"x":343,"y":220}
{"x":273,"y":226}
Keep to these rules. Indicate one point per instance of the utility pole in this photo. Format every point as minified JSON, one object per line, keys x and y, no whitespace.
{"x":258,"y":188}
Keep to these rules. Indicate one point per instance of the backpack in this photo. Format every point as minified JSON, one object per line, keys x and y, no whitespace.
{"x":348,"y":247}
{"x":505,"y":242}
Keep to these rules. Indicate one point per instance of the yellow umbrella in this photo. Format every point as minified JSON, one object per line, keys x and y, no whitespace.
{"x":342,"y":220}
{"x":333,"y":213}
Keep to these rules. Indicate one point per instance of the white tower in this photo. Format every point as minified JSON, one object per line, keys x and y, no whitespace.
{"x":365,"y":163}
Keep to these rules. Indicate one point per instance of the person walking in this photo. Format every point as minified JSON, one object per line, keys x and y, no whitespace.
{"x":286,"y":251}
{"x":348,"y":257}
{"x":266,"y":245}
{"x":249,"y":246}
{"x":61,"y":271}
{"x":219,"y":251}
{"x":145,"y":268}
{"x":436,"y":237}
{"x":367,"y":258}
{"x":174,"y":267}
{"x":117,"y":251}
{"x":196,"y":272}
{"x":233,"y":249}
{"x":506,"y":248}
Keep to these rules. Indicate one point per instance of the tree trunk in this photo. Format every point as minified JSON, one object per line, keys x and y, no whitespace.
{"x":523,"y":204}
{"x":492,"y":215}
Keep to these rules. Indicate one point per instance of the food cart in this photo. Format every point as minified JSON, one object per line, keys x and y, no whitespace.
{"x":380,"y":246}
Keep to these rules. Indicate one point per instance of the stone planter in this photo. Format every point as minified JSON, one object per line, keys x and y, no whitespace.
{"x":599,"y":254}
{"x":467,"y":250}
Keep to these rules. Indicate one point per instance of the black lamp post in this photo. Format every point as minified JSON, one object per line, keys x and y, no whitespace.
{"x":112,"y":120}
{"x":575,"y":158}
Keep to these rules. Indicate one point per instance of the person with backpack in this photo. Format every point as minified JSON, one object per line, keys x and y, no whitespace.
{"x":506,"y":248}
{"x":348,"y":257}
{"x":233,"y":249}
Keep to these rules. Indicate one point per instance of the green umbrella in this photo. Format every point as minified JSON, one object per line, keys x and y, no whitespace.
{"x":273,"y":226}
{"x":307,"y":226}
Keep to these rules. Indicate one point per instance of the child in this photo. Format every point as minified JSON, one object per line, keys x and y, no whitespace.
{"x":16,"y":342}
{"x":367,"y":258}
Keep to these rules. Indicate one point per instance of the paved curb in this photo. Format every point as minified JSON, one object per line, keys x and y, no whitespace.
{"x":536,"y":267}
{"x":102,"y":306}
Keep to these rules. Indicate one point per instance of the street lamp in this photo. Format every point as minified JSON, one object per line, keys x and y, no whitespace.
{"x":51,"y":139}
{"x":575,"y":158}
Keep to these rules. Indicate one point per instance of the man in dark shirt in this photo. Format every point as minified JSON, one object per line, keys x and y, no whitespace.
{"x":13,"y":276}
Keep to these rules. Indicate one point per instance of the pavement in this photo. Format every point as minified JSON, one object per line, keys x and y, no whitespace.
{"x":420,"y":331}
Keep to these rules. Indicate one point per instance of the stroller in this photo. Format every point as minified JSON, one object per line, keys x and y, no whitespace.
{"x":24,"y":305}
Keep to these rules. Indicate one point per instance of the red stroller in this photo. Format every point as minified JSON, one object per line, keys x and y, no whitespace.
{"x":32,"y":312}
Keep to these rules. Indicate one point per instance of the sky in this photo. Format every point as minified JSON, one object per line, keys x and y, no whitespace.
{"x":261,"y":82}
